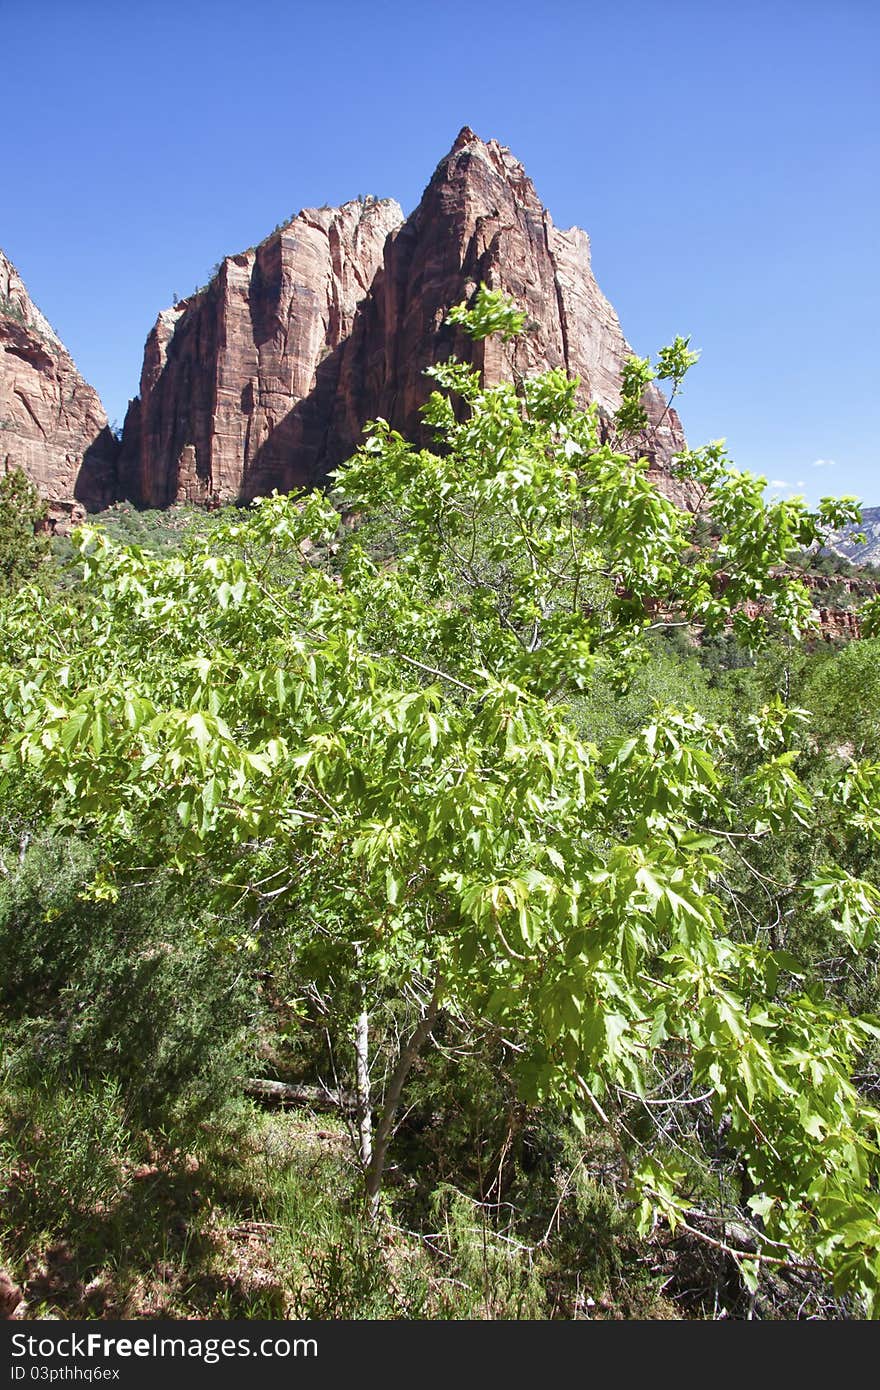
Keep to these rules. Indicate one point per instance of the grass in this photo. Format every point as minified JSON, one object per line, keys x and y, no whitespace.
{"x":267,"y":1223}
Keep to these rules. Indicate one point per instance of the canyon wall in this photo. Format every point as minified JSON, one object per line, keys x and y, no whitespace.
{"x":52,"y":423}
{"x":239,"y":381}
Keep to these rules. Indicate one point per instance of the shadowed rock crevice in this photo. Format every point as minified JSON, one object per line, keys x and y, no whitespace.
{"x":97,"y":480}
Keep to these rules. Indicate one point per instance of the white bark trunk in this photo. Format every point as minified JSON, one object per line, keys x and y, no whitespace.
{"x":362,"y":1087}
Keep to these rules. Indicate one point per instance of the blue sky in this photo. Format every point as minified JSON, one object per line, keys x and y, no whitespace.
{"x":725,"y":160}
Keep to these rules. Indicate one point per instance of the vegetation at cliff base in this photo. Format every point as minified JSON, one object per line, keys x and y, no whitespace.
{"x":23,"y":544}
{"x":514,"y":818}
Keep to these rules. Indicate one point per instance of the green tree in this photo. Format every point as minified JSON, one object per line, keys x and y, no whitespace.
{"x":844,"y":697}
{"x":383,"y":760}
{"x":23,"y":546}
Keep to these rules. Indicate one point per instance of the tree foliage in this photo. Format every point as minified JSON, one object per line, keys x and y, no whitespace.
{"x":380,"y":757}
{"x":22,"y":545}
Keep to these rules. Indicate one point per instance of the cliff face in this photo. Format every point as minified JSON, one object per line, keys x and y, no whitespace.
{"x":265,"y":378}
{"x":480,"y":219}
{"x":52,"y":424}
{"x":239,"y":381}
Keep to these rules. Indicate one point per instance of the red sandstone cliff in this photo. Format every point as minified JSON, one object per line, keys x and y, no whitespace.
{"x":52,"y":424}
{"x":265,"y":378}
{"x":238,"y":382}
{"x":480,"y":220}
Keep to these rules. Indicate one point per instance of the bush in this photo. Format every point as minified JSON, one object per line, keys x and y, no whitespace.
{"x":844,"y":696}
{"x":130,"y":992}
{"x":64,"y":1156}
{"x":22,"y":546}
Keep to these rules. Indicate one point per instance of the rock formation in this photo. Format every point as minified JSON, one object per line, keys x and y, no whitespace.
{"x":265,"y":378}
{"x":239,"y":381}
{"x":480,"y":220}
{"x":52,"y":424}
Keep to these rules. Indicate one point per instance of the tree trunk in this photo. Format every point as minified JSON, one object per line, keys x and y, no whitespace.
{"x":288,"y":1093}
{"x":385,"y":1128}
{"x":362,"y":1084}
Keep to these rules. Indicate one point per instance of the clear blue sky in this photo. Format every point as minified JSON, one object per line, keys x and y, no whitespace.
{"x":722,"y":156}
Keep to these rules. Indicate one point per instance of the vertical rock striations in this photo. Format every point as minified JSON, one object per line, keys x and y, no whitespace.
{"x":480,"y":220}
{"x":52,"y":424}
{"x":239,"y":381}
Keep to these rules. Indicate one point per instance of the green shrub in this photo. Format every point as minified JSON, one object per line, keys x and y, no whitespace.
{"x":132,"y":992}
{"x":22,"y":546}
{"x":64,"y":1157}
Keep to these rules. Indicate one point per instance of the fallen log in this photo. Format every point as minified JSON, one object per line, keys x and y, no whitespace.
{"x":286,"y":1093}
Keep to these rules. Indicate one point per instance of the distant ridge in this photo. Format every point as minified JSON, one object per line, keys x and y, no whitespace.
{"x":860,"y":553}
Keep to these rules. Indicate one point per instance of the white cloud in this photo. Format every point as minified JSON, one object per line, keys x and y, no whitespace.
{"x":825,"y":463}
{"x":800,"y":483}
{"x":779,"y":482}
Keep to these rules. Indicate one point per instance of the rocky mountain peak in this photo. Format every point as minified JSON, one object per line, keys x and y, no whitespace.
{"x":16,"y":303}
{"x":481,"y":220}
{"x":469,"y":146}
{"x":265,"y":377}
